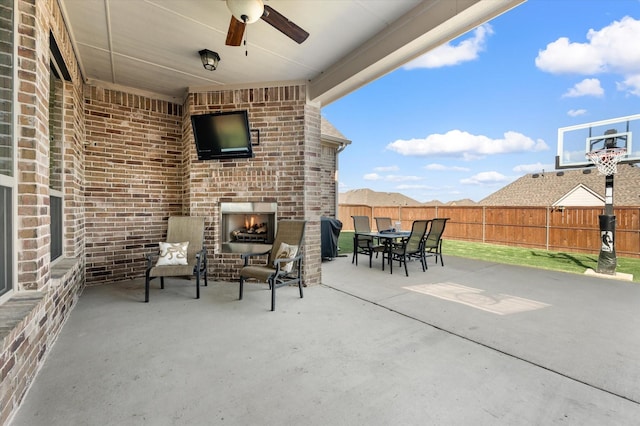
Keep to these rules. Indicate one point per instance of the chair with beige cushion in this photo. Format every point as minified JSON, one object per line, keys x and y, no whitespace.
{"x":183,"y":254}
{"x":284,"y":260}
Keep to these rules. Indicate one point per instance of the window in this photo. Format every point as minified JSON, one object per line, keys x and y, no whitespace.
{"x":7,"y":181}
{"x":6,"y":250}
{"x":55,"y":162}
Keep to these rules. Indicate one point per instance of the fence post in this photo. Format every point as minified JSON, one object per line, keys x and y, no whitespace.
{"x":548,"y":226}
{"x":484,"y":222}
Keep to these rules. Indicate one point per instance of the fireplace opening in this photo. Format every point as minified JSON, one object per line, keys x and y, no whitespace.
{"x":247,"y":227}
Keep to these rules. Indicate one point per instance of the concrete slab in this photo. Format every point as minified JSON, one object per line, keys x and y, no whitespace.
{"x":614,"y":276}
{"x":361,"y":349}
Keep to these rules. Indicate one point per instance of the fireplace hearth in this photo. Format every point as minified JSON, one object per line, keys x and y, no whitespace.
{"x":247,"y":226}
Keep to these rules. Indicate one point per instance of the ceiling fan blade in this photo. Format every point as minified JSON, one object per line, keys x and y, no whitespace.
{"x":282,"y":24}
{"x":235,"y":33}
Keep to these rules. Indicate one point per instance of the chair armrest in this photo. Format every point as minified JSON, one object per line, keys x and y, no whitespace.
{"x":149,"y":258}
{"x":201,"y":256}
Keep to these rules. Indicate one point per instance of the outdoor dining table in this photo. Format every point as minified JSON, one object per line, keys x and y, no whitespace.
{"x":387,"y":238}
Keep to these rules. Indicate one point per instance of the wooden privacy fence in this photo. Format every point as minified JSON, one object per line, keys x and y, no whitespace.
{"x":568,"y":229}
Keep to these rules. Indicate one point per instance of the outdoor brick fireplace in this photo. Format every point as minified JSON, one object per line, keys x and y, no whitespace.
{"x":246,"y":225}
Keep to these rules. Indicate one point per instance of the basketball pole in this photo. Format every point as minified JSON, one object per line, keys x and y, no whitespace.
{"x":607,"y":259}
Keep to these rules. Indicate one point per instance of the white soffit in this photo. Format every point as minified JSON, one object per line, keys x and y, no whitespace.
{"x":403,"y":41}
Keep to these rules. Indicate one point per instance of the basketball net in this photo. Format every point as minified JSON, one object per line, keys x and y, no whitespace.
{"x":606,"y":160}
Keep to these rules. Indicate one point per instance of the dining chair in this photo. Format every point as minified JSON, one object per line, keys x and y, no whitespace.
{"x":364,"y":244}
{"x":383,"y":223}
{"x":433,"y":240}
{"x":410,"y":248}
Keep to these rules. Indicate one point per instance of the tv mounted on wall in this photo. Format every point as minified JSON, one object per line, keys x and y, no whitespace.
{"x":222,"y":135}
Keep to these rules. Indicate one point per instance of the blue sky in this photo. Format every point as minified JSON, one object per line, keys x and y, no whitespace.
{"x":472,"y":116}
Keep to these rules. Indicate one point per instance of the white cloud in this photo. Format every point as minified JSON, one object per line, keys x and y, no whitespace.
{"x":448,"y":54}
{"x":576,"y":112}
{"x":561,"y":56}
{"x":587,"y":87}
{"x":631,"y":85}
{"x":533,"y":168}
{"x":463,"y":144}
{"x":442,"y":167}
{"x":485,"y":178}
{"x":371,"y":176}
{"x":610,"y":50}
{"x":386,"y":169}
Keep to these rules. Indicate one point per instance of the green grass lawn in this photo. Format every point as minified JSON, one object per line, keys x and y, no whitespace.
{"x":552,"y":260}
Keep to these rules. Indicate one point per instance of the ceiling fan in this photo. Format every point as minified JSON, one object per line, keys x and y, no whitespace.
{"x":249,"y":11}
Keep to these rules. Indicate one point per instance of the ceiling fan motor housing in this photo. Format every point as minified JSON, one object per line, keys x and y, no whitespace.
{"x":247,"y":11}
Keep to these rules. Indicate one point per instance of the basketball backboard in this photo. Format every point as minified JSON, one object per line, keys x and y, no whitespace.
{"x":575,"y":141}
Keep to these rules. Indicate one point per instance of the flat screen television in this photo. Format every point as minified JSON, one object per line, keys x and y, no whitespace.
{"x":222,"y":135}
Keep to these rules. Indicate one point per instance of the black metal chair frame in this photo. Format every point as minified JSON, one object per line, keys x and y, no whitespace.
{"x":364,"y":244}
{"x":411,"y":247}
{"x":199,"y":266}
{"x":383,"y":223}
{"x":272,"y":271}
{"x":433,"y":239}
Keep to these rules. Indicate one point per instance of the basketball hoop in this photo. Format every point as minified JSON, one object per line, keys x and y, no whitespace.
{"x":607,"y":159}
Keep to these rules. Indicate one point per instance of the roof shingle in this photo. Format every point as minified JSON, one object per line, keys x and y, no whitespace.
{"x":544,"y":189}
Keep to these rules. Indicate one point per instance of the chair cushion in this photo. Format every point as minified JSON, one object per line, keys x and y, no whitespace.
{"x":260,"y":273}
{"x":286,"y":251}
{"x":173,"y":254}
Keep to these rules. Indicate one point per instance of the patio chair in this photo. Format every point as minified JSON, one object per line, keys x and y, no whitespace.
{"x":183,"y":254}
{"x":284,"y":262}
{"x":410,"y":248}
{"x":383,"y":223}
{"x":433,"y":240}
{"x":364,"y":244}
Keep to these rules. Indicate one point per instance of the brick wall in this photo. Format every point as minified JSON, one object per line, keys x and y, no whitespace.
{"x":133,"y":179}
{"x":39,"y":317}
{"x":284,"y":169}
{"x":31,"y":320}
{"x":33,"y":147}
{"x":141,"y":166}
{"x":328,"y":187}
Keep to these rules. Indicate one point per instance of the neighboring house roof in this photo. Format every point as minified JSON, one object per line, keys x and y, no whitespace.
{"x":580,"y":196}
{"x":547,"y":189}
{"x":368,"y":197}
{"x":462,"y":202}
{"x":330,"y":134}
{"x":328,"y":129}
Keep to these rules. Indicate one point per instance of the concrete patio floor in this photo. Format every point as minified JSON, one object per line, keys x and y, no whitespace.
{"x":471,"y":343}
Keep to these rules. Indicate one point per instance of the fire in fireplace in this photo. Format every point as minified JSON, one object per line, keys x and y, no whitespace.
{"x":246,"y":226}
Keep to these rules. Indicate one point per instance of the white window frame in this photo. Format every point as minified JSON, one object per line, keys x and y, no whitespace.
{"x":10,"y":181}
{"x":54,"y":192}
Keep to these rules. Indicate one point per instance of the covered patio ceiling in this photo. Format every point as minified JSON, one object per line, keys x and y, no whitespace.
{"x":151,"y":46}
